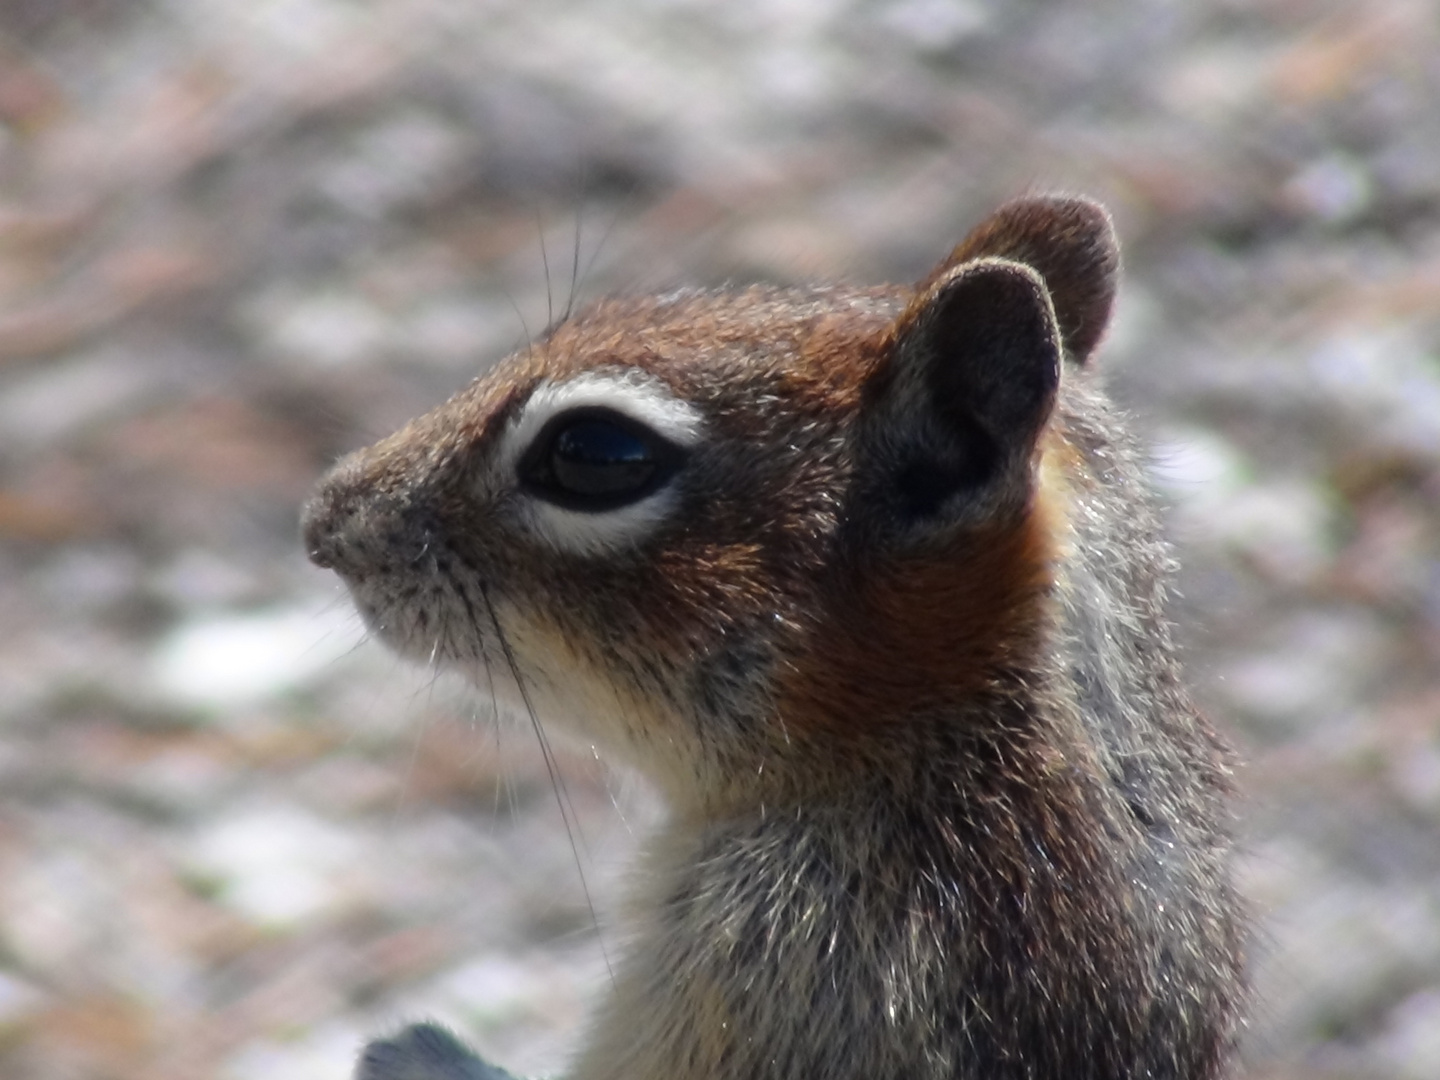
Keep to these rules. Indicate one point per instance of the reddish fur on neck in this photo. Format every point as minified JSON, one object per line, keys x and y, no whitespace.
{"x":927,"y":634}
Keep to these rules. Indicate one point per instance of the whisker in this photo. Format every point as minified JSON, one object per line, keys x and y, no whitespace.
{"x":360,"y":643}
{"x":607,"y":781}
{"x":502,"y":783}
{"x":595,"y":255}
{"x":428,"y":690}
{"x":557,"y":779}
{"x":575,"y":249}
{"x":545,"y":262}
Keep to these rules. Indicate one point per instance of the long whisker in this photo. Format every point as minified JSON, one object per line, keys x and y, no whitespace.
{"x":575,"y":255}
{"x":595,"y":254}
{"x":552,"y":766}
{"x":502,"y":785}
{"x":545,"y":262}
{"x":479,"y":635}
{"x":613,"y":795}
{"x":417,"y":742}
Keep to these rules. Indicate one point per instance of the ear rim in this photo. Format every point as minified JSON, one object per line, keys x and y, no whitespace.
{"x":1070,"y":241}
{"x":972,"y":382}
{"x":946,"y":295}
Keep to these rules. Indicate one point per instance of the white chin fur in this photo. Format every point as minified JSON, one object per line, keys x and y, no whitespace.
{"x":630,"y":393}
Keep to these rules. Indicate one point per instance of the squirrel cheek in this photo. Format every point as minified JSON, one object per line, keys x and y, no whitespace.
{"x":587,"y":697}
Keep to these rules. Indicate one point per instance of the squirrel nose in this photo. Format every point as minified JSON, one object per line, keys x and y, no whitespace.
{"x":322,"y":527}
{"x":342,"y":521}
{"x":358,"y":525}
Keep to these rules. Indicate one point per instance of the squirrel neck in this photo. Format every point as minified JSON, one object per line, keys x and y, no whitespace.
{"x":1011,"y":738}
{"x":912,"y":675}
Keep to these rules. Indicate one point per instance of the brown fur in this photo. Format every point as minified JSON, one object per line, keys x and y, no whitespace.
{"x":906,"y":639}
{"x":895,"y":652}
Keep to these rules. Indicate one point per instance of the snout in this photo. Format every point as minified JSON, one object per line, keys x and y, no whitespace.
{"x":330,"y":522}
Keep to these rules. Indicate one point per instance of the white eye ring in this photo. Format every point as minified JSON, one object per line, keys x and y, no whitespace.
{"x":634,"y":395}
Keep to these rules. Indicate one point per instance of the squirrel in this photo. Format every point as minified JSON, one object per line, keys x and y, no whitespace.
{"x":866,"y":581}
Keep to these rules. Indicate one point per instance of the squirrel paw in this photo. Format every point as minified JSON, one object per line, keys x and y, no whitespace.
{"x":424,"y":1052}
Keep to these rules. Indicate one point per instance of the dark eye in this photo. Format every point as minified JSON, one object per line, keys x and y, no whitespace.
{"x":595,"y":460}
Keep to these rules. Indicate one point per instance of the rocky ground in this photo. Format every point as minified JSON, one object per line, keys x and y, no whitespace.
{"x":238,"y":237}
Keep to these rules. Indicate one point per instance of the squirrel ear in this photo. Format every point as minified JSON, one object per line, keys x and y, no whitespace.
{"x":972,"y":379}
{"x":1070,"y":243}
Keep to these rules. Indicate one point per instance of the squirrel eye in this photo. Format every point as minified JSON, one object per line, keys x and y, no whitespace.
{"x":596,"y":460}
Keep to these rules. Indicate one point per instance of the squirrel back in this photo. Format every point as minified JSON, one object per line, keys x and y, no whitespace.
{"x":867,"y":582}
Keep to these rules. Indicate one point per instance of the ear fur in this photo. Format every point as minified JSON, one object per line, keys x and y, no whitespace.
{"x":1070,"y":243}
{"x":988,"y":330}
{"x":974,"y":369}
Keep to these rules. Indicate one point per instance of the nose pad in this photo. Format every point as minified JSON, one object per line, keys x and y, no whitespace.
{"x":361,"y":523}
{"x":330,"y":523}
{"x":345,"y":525}
{"x":321,"y":527}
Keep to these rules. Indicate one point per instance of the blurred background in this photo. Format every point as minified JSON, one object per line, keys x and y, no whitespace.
{"x":239,"y":237}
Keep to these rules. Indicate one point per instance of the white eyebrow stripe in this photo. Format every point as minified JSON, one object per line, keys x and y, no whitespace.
{"x":632,"y":394}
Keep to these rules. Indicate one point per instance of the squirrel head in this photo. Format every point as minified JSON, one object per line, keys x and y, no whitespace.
{"x":737,"y":538}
